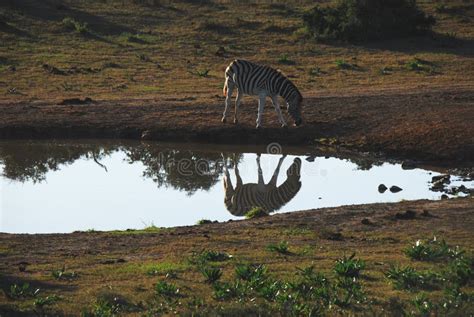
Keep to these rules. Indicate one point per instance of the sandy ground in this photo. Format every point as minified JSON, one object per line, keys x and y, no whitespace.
{"x":431,"y":125}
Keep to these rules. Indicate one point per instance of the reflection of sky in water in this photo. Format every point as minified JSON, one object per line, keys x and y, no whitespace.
{"x":83,"y":196}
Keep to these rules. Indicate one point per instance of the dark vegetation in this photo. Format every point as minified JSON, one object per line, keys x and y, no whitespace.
{"x":363,"y":20}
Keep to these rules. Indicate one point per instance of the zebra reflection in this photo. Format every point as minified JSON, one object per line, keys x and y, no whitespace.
{"x":269,"y":197}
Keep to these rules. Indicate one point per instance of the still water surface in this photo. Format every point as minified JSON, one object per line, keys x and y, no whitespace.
{"x":63,"y":186}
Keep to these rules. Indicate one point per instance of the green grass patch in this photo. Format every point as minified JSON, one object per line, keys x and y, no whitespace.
{"x":349,"y":266}
{"x":256,"y":212}
{"x":280,"y":247}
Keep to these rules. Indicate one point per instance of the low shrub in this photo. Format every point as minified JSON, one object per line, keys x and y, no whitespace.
{"x":364,"y":20}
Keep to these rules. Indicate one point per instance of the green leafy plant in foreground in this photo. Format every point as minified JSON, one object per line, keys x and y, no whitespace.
{"x":280,"y":247}
{"x":349,"y":266}
{"x":165,"y":289}
{"x":22,"y":291}
{"x":211,"y":274}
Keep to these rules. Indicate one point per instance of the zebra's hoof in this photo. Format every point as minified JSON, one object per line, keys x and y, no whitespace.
{"x":284,"y":125}
{"x":236,"y":121}
{"x":258,"y":127}
{"x":224,"y":120}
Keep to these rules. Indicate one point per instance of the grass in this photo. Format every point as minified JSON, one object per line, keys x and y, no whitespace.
{"x":22,"y":291}
{"x":62,"y":274}
{"x":256,"y":212}
{"x":280,"y":247}
{"x":349,"y":266}
{"x":209,"y":256}
{"x":284,"y":59}
{"x":123,"y":39}
{"x":46,"y":301}
{"x":165,"y":289}
{"x":78,"y":27}
{"x":211,"y":274}
{"x":203,"y":221}
{"x":410,"y":279}
{"x":431,"y":250}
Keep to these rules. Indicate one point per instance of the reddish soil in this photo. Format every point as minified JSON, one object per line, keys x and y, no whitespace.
{"x":428,"y":125}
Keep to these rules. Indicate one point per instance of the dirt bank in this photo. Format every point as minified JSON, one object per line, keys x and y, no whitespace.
{"x":118,"y":261}
{"x":428,"y":125}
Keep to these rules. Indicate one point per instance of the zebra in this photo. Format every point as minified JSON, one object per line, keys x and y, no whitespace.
{"x":252,"y":79}
{"x":269,"y":197}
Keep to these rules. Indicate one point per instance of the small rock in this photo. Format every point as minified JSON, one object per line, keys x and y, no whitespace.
{"x":12,"y":68}
{"x":76,"y":101}
{"x":146,"y":135}
{"x":395,"y":189}
{"x":22,"y":266}
{"x":220,"y":51}
{"x":409,"y":214}
{"x":408,"y":165}
{"x":444,"y":196}
{"x":310,"y":158}
{"x":366,"y":221}
{"x":382,"y":188}
{"x":444,"y":178}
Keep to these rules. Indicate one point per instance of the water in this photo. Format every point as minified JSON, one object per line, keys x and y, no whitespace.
{"x":65,"y":186}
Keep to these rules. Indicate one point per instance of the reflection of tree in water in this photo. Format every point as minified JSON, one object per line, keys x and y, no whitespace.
{"x":30,"y":161}
{"x":187,"y":170}
{"x":182,"y":169}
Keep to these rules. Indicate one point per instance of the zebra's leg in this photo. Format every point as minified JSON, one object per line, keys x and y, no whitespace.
{"x":261,"y":182}
{"x":274,"y":179}
{"x":237,"y":173}
{"x":276,"y":104}
{"x":237,"y":105}
{"x":230,"y":90}
{"x":261,"y":105}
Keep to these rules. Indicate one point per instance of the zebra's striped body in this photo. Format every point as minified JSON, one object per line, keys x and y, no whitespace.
{"x":262,"y":81}
{"x":269,"y":197}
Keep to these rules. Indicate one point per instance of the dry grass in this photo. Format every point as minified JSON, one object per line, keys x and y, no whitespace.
{"x":159,"y":49}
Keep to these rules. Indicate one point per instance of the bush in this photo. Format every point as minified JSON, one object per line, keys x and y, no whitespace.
{"x":362,"y":20}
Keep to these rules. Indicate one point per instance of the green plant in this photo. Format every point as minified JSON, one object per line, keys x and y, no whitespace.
{"x":256,"y":212}
{"x":165,"y":289}
{"x":22,"y":291}
{"x":211,"y":274}
{"x":202,"y":73}
{"x":409,"y":278}
{"x":349,"y":266}
{"x":71,"y":24}
{"x":45,"y":301}
{"x":422,"y":305}
{"x":355,"y":20}
{"x":432,"y":250}
{"x":284,"y":59}
{"x":251,"y":272}
{"x":209,"y":256}
{"x":203,"y":221}
{"x":62,"y":274}
{"x":280,"y":247}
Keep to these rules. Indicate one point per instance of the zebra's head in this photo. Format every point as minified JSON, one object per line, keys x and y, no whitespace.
{"x":294,"y":108}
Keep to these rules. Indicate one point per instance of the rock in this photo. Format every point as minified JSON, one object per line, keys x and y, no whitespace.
{"x":408,"y":165}
{"x":366,"y":221}
{"x":438,"y":186}
{"x":310,"y":158}
{"x":444,"y":178}
{"x":220,"y":51}
{"x":444,"y":196}
{"x":395,"y":189}
{"x":382,"y":188}
{"x":407,"y":215}
{"x":76,"y":101}
{"x":22,"y":266}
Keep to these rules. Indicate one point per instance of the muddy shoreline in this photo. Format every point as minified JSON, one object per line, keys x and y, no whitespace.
{"x":430,"y":126}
